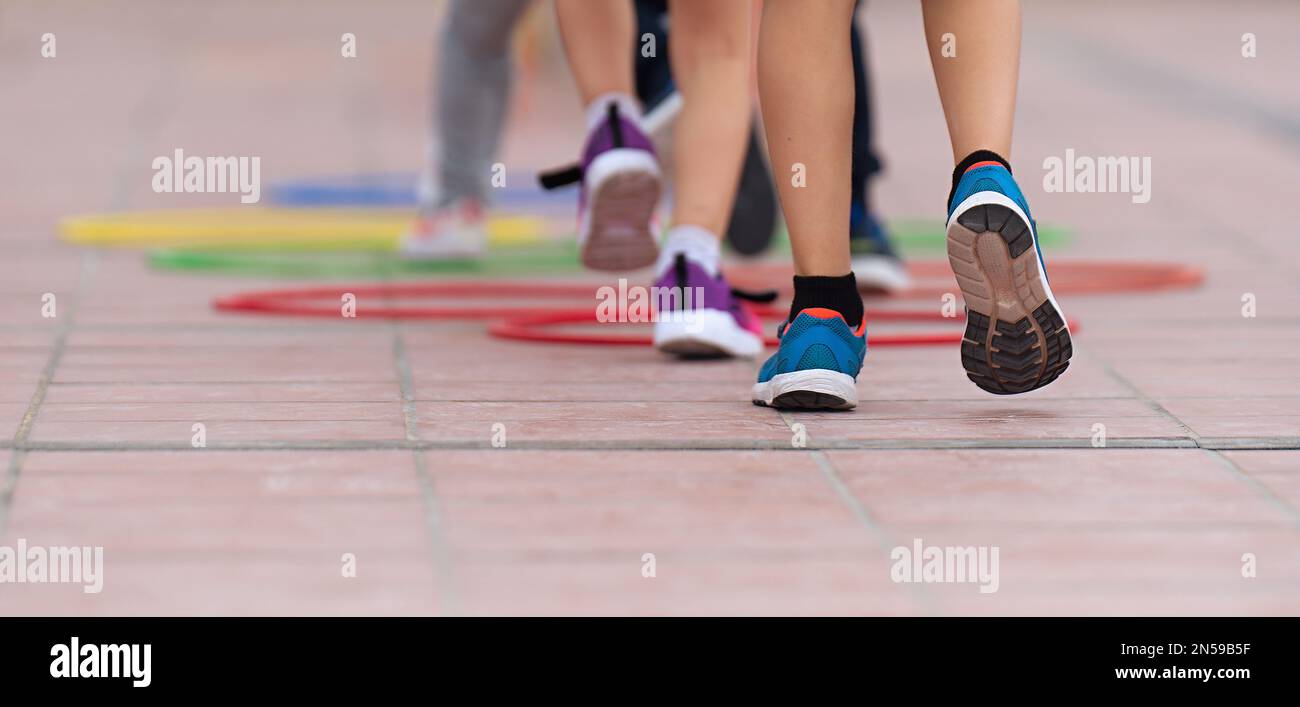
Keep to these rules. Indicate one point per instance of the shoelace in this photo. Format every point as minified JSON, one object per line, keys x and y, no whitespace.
{"x":760,"y":297}
{"x":572,"y":174}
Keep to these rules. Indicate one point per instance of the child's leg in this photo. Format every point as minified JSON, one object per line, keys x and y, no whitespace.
{"x":805,"y":78}
{"x":978,"y":85}
{"x":1016,"y":339}
{"x":710,"y":54}
{"x":599,"y":38}
{"x":471,"y":91}
{"x":806,"y":82}
{"x":710,"y":60}
{"x":473,"y":87}
{"x":619,"y":170}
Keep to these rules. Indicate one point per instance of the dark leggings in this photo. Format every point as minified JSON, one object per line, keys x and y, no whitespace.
{"x":865,"y":162}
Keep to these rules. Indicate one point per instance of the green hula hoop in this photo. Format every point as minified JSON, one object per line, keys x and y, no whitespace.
{"x":910,"y":236}
{"x":557,"y":257}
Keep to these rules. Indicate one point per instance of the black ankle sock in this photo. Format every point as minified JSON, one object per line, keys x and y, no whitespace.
{"x":836,"y":293}
{"x":972,"y":159}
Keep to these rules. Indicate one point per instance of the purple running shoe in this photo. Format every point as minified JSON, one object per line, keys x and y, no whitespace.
{"x":621,"y":184}
{"x":697,"y":314}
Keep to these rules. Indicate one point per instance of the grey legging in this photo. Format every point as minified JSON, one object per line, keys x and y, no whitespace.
{"x":472,"y":88}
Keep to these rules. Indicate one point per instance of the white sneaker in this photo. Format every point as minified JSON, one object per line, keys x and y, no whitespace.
{"x":881,"y":272}
{"x":456,"y":230}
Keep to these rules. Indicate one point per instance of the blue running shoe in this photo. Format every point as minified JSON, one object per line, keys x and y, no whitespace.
{"x":1016,"y":338}
{"x":816,"y":367}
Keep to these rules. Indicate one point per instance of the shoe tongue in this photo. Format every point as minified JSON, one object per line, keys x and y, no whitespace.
{"x":986,"y":163}
{"x":615,"y":124}
{"x":681,"y":271}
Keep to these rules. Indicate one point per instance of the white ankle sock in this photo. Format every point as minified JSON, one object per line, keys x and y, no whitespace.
{"x":697,"y":244}
{"x":628,"y":107}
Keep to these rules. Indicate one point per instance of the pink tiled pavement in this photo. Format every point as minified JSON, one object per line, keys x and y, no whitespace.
{"x":470,"y":475}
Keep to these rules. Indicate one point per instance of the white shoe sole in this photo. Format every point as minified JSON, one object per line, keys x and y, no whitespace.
{"x":707,"y":332}
{"x":456,"y":244}
{"x":617,"y":231}
{"x":816,"y":389}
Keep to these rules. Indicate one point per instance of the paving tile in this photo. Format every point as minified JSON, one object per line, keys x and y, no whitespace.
{"x":218,"y":433}
{"x":1163,"y":379}
{"x":209,"y":492}
{"x":628,"y":476}
{"x":732,"y":391}
{"x":1244,"y":427}
{"x":106,"y":365}
{"x":681,"y":588}
{"x":601,"y":424}
{"x":639,"y":502}
{"x":1238,"y":417}
{"x":54,"y":480}
{"x":1277,"y":470}
{"x":992,"y":421}
{"x":18,"y":393}
{"x":321,"y":411}
{"x":288,"y":527}
{"x":189,"y":392}
{"x":1108,"y":569}
{"x":1047,"y":488}
{"x":231,"y":585}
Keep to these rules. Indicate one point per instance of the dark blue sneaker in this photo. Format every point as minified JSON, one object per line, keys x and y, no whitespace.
{"x":1016,"y":338}
{"x":817,"y":365}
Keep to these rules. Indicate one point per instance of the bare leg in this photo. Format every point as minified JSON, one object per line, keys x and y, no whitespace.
{"x":805,"y":78}
{"x":1016,"y":339}
{"x":599,"y":38}
{"x":977,"y":86}
{"x":710,"y":54}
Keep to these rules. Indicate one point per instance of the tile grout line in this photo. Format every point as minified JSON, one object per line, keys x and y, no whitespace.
{"x":118,"y":198}
{"x":406,"y":386}
{"x":1262,"y":490}
{"x":1142,"y":396}
{"x":21,"y":436}
{"x":449,"y":599}
{"x":879,"y":535}
{"x":1226,"y":444}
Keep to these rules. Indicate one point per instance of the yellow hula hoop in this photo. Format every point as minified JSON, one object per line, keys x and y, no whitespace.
{"x":313,"y":229}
